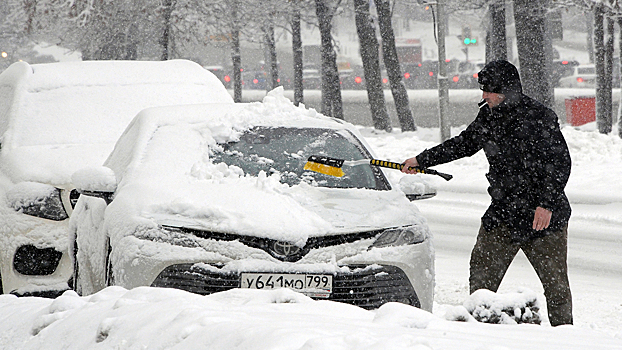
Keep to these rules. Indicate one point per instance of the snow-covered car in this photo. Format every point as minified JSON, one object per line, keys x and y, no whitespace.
{"x":207,"y":198}
{"x":55,"y":119}
{"x":581,"y":76}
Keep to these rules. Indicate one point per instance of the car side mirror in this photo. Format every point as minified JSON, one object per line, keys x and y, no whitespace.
{"x":415,"y":188}
{"x":99,"y":182}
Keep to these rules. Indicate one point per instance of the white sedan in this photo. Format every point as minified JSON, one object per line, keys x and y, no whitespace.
{"x":207,"y":198}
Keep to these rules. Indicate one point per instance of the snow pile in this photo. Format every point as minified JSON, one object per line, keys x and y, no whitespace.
{"x":160,"y":318}
{"x":510,"y":308}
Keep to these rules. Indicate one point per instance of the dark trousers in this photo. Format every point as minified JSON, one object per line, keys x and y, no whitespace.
{"x":494,"y":251}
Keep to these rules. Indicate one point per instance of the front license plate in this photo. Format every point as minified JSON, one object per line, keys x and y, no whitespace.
{"x":312,"y":285}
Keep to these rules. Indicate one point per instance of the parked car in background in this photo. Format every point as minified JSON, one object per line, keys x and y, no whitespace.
{"x":254,"y":80}
{"x":421,"y":76}
{"x":224,"y":75}
{"x":311,"y":78}
{"x":581,"y":76}
{"x":55,"y":119}
{"x":207,"y":198}
{"x":465,"y":75}
{"x":560,"y":69}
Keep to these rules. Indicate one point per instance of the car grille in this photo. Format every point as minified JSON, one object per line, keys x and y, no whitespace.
{"x":368,"y":288}
{"x":268,"y":245}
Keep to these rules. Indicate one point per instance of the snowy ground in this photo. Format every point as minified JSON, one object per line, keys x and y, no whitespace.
{"x":149,"y":318}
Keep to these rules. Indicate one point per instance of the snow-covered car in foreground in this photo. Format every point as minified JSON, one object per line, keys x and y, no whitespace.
{"x":55,"y":119}
{"x":208,"y":198}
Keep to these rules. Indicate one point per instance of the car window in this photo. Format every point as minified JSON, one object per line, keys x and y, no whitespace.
{"x":286,"y":150}
{"x":586,"y":70}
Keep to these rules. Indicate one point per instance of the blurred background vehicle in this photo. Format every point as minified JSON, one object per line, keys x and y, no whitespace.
{"x":581,"y":76}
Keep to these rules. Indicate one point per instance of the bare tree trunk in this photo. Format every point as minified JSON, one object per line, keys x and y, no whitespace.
{"x":271,"y":61}
{"x":392,"y":64}
{"x":331,"y":92}
{"x":603,"y":112}
{"x":620,"y":75}
{"x":165,"y":38}
{"x":609,"y":38}
{"x":236,"y":57}
{"x":371,"y":65}
{"x":497,"y":48}
{"x":530,"y":25}
{"x":30,"y":7}
{"x":297,"y":54}
{"x":590,"y":36}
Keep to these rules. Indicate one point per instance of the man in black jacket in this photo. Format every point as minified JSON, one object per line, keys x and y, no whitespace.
{"x":529,"y":165}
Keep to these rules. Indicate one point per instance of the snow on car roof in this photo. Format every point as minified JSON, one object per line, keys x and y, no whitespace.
{"x":225,"y":121}
{"x":68,"y":115}
{"x":164,"y":173}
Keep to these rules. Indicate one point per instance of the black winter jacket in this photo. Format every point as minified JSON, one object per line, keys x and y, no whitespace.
{"x":529,"y":163}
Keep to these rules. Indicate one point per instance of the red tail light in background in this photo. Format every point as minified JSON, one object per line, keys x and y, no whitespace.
{"x":358,"y":80}
{"x":456,"y":78}
{"x":406,"y":75}
{"x":579,"y":79}
{"x":255,"y":81}
{"x":431,"y":74}
{"x":227,"y":78}
{"x":385,"y":80}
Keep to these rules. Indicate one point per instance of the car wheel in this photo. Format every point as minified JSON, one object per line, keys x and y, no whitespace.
{"x":109,"y":275}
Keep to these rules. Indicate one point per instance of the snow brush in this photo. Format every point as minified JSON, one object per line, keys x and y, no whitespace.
{"x":332,"y":166}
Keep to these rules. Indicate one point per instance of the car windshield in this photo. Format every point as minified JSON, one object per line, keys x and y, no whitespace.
{"x":285,"y":150}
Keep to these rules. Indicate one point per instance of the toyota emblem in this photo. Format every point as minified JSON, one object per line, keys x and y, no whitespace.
{"x":284,"y":249}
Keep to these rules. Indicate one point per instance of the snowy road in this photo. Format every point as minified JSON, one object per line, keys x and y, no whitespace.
{"x":594,"y":262}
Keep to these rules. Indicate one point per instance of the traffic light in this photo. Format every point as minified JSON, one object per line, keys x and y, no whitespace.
{"x":467,"y":38}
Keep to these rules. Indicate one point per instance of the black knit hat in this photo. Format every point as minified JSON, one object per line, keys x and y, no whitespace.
{"x":500,"y":77}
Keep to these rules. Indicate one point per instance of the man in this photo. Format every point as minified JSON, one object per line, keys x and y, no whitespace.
{"x":529,"y":165}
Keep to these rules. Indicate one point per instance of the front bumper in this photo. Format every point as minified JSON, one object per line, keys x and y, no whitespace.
{"x":34,"y":260}
{"x":363,"y":276}
{"x":365,"y":286}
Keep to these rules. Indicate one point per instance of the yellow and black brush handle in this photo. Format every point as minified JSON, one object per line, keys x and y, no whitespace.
{"x":332,"y":166}
{"x":400,"y":166}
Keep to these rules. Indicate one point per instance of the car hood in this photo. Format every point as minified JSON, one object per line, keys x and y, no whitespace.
{"x":294,"y":215}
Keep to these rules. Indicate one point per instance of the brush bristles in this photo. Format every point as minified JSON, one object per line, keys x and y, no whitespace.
{"x":324,"y":169}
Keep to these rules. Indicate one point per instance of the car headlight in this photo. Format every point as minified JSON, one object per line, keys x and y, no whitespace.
{"x":37,"y":199}
{"x":399,"y":236}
